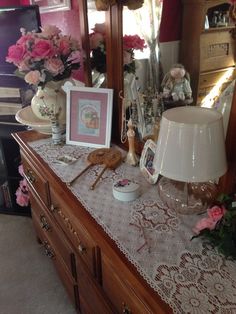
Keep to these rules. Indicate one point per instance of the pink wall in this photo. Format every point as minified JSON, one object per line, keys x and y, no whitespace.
{"x":170,"y":28}
{"x":68,"y":21}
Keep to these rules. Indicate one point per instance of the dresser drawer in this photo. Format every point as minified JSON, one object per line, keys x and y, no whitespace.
{"x":122,"y":296}
{"x":79,"y":236}
{"x":216,"y":50}
{"x":69,"y":283}
{"x":212,"y":78}
{"x":49,"y":230}
{"x":87,"y":288}
{"x":36,"y":181}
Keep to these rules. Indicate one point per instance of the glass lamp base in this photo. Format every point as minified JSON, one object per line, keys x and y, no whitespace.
{"x":187,"y":198}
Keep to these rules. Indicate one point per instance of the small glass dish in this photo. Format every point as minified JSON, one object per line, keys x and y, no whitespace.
{"x":66,"y":160}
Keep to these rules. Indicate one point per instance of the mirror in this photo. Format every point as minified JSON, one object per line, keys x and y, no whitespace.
{"x":115,"y":76}
{"x":97,"y":41}
{"x":146,"y":107}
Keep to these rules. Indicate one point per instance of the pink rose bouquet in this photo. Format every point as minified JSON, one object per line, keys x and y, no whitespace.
{"x":131,"y":43}
{"x":97,"y":41}
{"x":44,"y":57}
{"x":219,"y":227}
{"x":98,"y":49}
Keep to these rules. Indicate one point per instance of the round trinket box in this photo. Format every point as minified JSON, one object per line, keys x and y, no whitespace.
{"x":126,"y":190}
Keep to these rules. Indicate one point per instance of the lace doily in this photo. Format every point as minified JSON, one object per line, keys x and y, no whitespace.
{"x":188,"y":275}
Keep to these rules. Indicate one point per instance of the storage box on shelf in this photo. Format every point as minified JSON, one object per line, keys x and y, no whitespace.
{"x":207,"y":46}
{"x":9,"y":176}
{"x":96,"y":275}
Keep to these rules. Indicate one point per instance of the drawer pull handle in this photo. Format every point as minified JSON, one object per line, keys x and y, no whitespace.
{"x":44,"y":224}
{"x":125,"y":309}
{"x":53,"y":208}
{"x":48,"y":250}
{"x":81,"y":248}
{"x":30,"y":176}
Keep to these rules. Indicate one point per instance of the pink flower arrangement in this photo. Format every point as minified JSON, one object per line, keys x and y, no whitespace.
{"x":98,"y":49}
{"x":215,"y":214}
{"x":219,"y":227}
{"x":46,"y":56}
{"x":133,"y":42}
{"x":22,"y":193}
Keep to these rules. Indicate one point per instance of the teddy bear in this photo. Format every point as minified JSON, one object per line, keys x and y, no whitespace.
{"x":176,"y":85}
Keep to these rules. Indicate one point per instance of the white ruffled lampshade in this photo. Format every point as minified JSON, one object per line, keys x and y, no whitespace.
{"x":191,"y":145}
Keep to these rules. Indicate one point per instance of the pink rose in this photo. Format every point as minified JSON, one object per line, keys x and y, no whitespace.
{"x":23,"y":185}
{"x":22,"y":195}
{"x":95,"y":40}
{"x":26,"y":40}
{"x":42,"y":49}
{"x":75,"y":57}
{"x":127,"y":57}
{"x":24,"y":65}
{"x":216,"y":212}
{"x":204,"y":223}
{"x":15,"y":54}
{"x":33,"y":77}
{"x":21,"y":170}
{"x":133,"y":42}
{"x":22,"y":199}
{"x":64,"y":45}
{"x":50,"y":31}
{"x":54,"y":66}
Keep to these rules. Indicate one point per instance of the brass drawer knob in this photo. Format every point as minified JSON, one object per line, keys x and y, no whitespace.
{"x":44,"y":224}
{"x":125,"y":309}
{"x":48,"y":250}
{"x":53,"y":208}
{"x":30,"y":176}
{"x":81,"y":248}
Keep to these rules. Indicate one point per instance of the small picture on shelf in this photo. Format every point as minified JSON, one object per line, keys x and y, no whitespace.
{"x":147,"y":166}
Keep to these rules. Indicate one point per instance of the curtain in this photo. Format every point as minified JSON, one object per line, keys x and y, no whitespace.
{"x":148,"y":20}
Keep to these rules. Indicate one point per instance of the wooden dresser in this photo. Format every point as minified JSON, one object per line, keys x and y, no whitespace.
{"x":207,"y":46}
{"x":96,"y":274}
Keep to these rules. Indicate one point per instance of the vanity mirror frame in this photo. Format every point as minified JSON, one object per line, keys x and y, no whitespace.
{"x":114,"y":50}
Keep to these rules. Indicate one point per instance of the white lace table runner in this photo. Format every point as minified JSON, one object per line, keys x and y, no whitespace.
{"x":188,"y":275}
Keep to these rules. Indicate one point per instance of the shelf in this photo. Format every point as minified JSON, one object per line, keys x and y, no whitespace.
{"x":218,"y":29}
{"x":19,"y":212}
{"x":9,"y":177}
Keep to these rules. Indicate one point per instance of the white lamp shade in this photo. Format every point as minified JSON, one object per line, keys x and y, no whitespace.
{"x":191,"y":146}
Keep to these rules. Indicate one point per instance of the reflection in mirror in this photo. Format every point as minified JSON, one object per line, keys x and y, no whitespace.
{"x":142,"y":68}
{"x":97,"y":39}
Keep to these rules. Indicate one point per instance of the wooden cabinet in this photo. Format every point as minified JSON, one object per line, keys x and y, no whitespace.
{"x":207,"y":47}
{"x":96,"y":274}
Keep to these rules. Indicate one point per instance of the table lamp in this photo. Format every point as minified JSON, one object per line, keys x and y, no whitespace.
{"x":190,"y":156}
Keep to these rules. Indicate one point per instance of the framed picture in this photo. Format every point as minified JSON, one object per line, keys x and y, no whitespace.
{"x":147,"y":166}
{"x":89,"y":116}
{"x":52,"y":5}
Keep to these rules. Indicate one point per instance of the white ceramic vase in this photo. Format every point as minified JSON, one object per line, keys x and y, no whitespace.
{"x":50,"y":101}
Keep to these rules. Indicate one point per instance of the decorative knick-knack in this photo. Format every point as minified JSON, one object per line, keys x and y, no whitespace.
{"x":56,"y":130}
{"x":131,"y":158}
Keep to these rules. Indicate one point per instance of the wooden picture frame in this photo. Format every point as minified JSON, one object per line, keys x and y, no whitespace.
{"x":46,"y":6}
{"x":147,"y":167}
{"x":89,"y":116}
